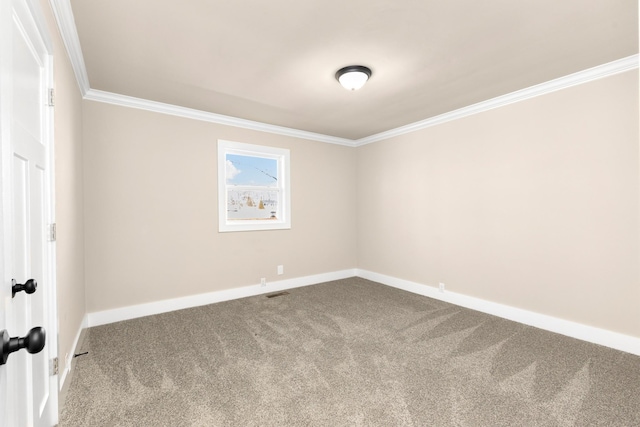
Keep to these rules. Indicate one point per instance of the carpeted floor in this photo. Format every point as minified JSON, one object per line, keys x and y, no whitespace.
{"x":345,"y":353}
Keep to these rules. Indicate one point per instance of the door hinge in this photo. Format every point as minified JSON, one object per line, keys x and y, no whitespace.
{"x":52,"y":232}
{"x":53,"y":367}
{"x":52,"y":97}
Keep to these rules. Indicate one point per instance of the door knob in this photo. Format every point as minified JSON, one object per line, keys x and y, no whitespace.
{"x":33,"y":342}
{"x":29,"y":287}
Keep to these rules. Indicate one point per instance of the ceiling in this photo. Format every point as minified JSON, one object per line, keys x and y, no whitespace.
{"x":274,"y":61}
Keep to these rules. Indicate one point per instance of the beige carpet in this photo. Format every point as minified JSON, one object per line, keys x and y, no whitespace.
{"x":345,"y":353}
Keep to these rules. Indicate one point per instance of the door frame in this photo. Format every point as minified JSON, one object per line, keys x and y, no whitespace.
{"x":38,"y":28}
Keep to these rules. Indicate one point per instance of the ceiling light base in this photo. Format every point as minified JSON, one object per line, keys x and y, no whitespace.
{"x":353,"y":77}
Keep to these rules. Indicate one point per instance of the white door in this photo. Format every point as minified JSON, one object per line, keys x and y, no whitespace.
{"x":29,"y":390}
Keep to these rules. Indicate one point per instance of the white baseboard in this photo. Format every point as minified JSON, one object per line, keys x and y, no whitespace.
{"x":582,"y":332}
{"x":135,"y":311}
{"x":74,"y":348}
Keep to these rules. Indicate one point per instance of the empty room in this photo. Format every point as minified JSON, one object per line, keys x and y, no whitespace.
{"x":320,"y":213}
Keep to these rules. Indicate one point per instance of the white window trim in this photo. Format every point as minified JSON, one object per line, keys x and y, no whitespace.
{"x":282,"y":156}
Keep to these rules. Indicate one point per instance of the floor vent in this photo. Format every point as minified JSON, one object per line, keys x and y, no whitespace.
{"x":279,"y":294}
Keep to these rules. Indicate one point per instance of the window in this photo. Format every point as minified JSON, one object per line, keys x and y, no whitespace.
{"x":253,"y":187}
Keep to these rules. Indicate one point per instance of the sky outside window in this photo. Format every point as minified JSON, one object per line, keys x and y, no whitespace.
{"x":251,"y":170}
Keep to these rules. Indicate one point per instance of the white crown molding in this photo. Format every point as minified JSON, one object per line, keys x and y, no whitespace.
{"x":595,"y":73}
{"x":141,"y":310}
{"x":66,"y":24}
{"x":580,"y":331}
{"x":67,"y":27}
{"x":190,"y":113}
{"x":591,"y":74}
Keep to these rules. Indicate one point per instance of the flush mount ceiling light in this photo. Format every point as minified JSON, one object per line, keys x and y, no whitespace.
{"x":353,"y":77}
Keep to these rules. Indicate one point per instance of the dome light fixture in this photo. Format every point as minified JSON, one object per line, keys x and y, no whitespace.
{"x":353,"y":77}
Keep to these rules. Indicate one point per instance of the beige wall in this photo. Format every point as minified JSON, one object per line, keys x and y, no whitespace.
{"x":534,"y":205}
{"x":69,"y":203}
{"x":151,"y":210}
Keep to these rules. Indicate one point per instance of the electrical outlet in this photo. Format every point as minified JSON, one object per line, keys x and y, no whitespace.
{"x":441,"y":287}
{"x":280,"y":269}
{"x":263,"y":282}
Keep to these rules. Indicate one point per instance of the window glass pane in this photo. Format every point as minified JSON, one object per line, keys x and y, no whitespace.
{"x":244,"y":204}
{"x":251,"y":170}
{"x":253,"y":187}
